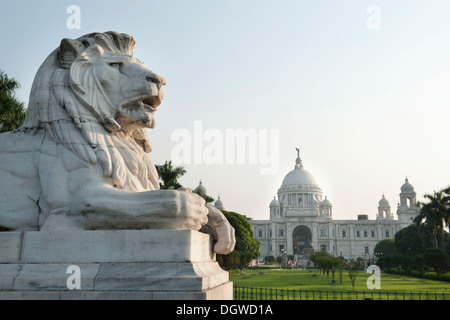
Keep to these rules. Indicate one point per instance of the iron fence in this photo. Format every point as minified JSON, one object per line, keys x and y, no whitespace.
{"x":249,"y":293}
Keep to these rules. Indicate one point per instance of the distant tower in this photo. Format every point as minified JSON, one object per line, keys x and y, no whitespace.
{"x":326,"y":208}
{"x":408,"y":209}
{"x":384,"y":209}
{"x":274,"y":207}
{"x":219,"y":204}
{"x":200,"y":189}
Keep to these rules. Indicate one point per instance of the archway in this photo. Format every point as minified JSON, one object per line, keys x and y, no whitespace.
{"x":301,"y":238}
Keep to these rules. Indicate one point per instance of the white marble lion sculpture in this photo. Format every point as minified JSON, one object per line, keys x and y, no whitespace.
{"x":80,"y":161}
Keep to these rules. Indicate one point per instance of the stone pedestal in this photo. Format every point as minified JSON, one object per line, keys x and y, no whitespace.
{"x":120,"y":264}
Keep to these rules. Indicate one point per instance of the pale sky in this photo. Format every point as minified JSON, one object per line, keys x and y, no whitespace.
{"x":367,"y":106}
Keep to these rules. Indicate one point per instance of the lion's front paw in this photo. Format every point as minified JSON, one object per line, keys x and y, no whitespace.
{"x":221,"y":231}
{"x":192,"y":213}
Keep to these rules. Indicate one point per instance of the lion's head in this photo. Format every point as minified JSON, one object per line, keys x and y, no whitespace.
{"x":95,"y":98}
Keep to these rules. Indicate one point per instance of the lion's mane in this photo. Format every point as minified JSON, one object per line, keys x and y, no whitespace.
{"x":68,"y":102}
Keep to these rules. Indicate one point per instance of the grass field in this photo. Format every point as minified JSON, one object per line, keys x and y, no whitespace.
{"x":305,"y":281}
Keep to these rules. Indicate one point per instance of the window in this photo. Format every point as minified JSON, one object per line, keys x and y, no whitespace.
{"x":365,"y":234}
{"x":281,"y":233}
{"x":343,"y":234}
{"x":260,"y":233}
{"x":281,"y":248}
{"x":373,"y":234}
{"x":387,"y":233}
{"x":357,"y":234}
{"x":366,"y":250}
{"x":270,"y":233}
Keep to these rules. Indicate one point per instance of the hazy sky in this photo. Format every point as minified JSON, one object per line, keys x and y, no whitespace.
{"x":367,"y":106}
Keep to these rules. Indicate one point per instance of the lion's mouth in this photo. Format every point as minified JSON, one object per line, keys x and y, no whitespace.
{"x":150,"y":103}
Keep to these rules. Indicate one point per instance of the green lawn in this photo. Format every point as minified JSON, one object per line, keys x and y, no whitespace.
{"x":305,"y":281}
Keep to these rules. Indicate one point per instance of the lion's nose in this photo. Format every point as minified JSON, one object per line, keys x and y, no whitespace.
{"x":160,"y":81}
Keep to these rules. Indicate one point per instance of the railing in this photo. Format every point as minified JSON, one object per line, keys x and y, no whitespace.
{"x":248,"y":293}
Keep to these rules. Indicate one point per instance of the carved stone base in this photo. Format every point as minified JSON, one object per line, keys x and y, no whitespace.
{"x":120,"y":264}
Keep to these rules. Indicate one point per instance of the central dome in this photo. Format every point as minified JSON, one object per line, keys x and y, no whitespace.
{"x":299,"y":178}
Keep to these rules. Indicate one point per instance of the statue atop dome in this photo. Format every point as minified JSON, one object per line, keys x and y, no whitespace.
{"x":298,"y":161}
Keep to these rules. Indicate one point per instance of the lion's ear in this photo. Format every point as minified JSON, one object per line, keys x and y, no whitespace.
{"x":69,"y":50}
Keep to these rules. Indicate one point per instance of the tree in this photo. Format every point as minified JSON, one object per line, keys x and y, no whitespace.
{"x":437,"y":260}
{"x":335,"y":264}
{"x":340,"y":264}
{"x":207,"y":198}
{"x":434,"y":214}
{"x":406,"y":262}
{"x":353,"y":272}
{"x":386,"y":262}
{"x":326,"y":263}
{"x":279,"y":259}
{"x":446,"y":215}
{"x":418,"y":263}
{"x":320,"y":260}
{"x":12,"y":111}
{"x":246,"y":248}
{"x":384,"y":247}
{"x":169,"y":175}
{"x":411,"y":240}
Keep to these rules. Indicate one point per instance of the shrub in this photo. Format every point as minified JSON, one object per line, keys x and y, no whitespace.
{"x":269,"y":259}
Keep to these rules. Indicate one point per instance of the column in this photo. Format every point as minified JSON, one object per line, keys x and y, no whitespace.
{"x":289,"y":242}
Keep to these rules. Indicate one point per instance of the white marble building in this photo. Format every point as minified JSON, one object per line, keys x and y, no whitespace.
{"x":301,"y":217}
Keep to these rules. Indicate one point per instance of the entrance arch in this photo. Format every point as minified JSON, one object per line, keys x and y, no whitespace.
{"x":301,"y":239}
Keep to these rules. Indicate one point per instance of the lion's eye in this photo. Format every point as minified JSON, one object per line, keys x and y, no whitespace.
{"x":116,"y":65}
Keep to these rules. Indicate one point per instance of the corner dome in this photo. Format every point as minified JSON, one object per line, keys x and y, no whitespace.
{"x":383,"y":202}
{"x":219,"y":204}
{"x":326,"y":202}
{"x":407,"y":187}
{"x":274,"y":203}
{"x":200,"y":189}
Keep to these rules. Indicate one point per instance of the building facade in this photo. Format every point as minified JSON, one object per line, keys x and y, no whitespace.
{"x":301,"y":221}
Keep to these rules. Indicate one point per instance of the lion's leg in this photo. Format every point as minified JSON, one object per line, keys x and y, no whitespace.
{"x":20,"y":206}
{"x":108,"y":207}
{"x":90,"y":203}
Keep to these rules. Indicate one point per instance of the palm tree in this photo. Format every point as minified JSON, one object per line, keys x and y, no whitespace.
{"x":434,"y":215}
{"x":169,"y":175}
{"x":447,"y":200}
{"x":12,"y":111}
{"x":207,"y":198}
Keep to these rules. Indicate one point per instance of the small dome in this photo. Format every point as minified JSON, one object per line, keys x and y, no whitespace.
{"x":383,"y":202}
{"x":326,"y":202}
{"x":200,"y":189}
{"x":407,"y":187}
{"x":274,"y":203}
{"x":219,"y":204}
